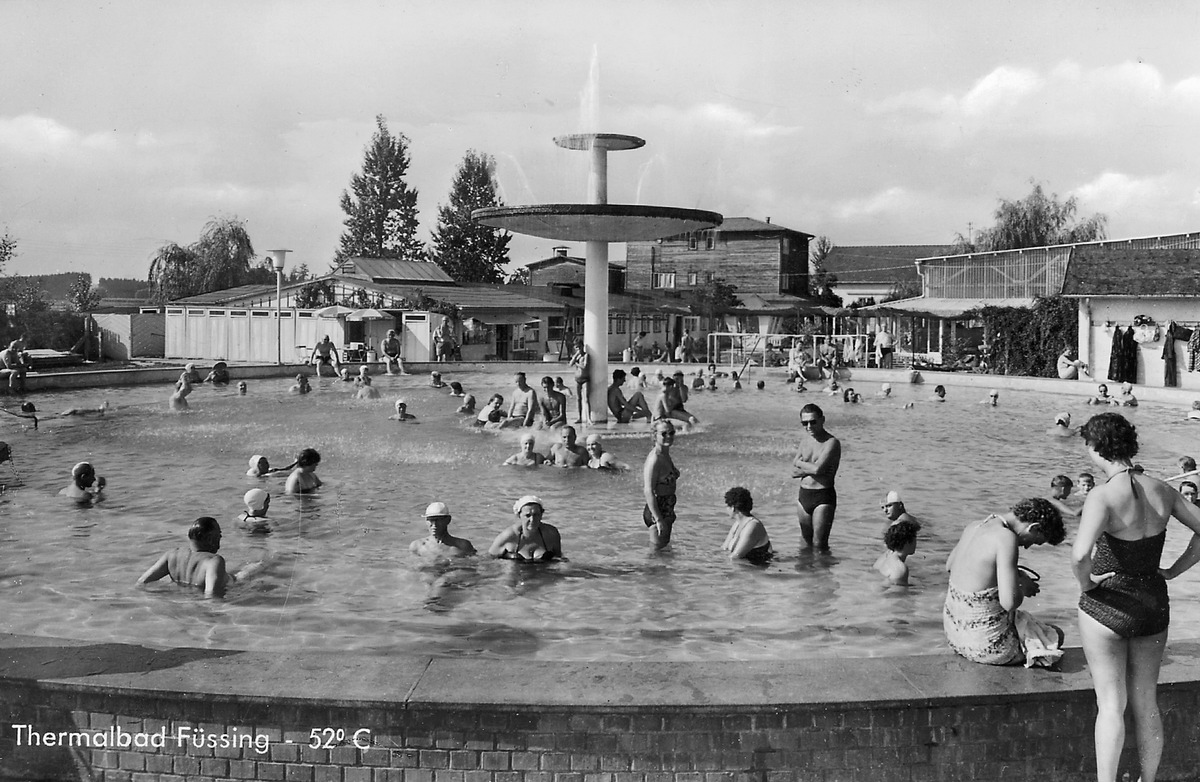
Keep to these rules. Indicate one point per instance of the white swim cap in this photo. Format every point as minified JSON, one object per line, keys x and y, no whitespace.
{"x":592,"y":438}
{"x":993,"y":392}
{"x":436,"y":509}
{"x":81,"y":468}
{"x":256,"y":499}
{"x":401,"y":403}
{"x":254,"y":460}
{"x":892,"y":497}
{"x":887,"y":386}
{"x":528,"y":499}
{"x":1063,"y":418}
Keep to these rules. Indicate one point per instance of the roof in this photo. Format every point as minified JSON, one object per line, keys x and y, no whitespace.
{"x":942,"y":308}
{"x":879,"y":264}
{"x":395,"y":271}
{"x":227,"y":295}
{"x":733,"y":225}
{"x":478,"y":297}
{"x":776,"y":303}
{"x":1130,"y":272}
{"x":561,"y":259}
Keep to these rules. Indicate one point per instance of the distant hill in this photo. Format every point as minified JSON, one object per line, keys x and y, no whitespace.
{"x":54,"y":287}
{"x":124,"y":288}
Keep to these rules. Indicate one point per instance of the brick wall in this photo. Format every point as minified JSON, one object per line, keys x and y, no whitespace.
{"x":996,"y":737}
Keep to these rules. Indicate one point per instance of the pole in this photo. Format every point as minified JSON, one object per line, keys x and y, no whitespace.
{"x":278,"y":319}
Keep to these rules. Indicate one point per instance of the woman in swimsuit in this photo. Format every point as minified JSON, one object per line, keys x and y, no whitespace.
{"x":1123,"y":608}
{"x":528,"y":540}
{"x":747,"y":538}
{"x":579,"y":365}
{"x":658,"y":485}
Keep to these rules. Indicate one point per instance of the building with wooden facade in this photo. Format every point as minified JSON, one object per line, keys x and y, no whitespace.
{"x":870,"y":273}
{"x":754,"y":256}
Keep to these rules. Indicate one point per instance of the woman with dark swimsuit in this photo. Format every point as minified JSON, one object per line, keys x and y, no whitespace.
{"x":1123,"y":609}
{"x":529,"y":540}
{"x":658,"y":485}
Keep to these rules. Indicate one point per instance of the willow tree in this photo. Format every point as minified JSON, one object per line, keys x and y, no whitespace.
{"x":1036,"y":220}
{"x":220,"y":258}
{"x":466,"y":250}
{"x":381,"y":209}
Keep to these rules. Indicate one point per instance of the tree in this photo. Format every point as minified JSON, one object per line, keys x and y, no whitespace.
{"x":465,"y":249}
{"x":381,"y":216}
{"x":713,"y":297}
{"x":1034,"y":221}
{"x":8,"y":250}
{"x":519,"y":277}
{"x":83,"y":297}
{"x":820,"y":281}
{"x":219,"y":259}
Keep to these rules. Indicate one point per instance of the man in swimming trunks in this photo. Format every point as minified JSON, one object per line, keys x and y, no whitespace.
{"x":625,"y":410}
{"x":553,"y":404}
{"x":885,"y":349}
{"x":200,"y":565}
{"x":816,"y":466}
{"x":15,"y":362}
{"x":523,"y":403}
{"x":390,"y":347}
{"x":440,"y":544}
{"x":567,"y":452}
{"x":325,"y":356}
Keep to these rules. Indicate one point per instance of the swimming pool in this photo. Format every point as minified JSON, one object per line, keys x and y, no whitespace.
{"x":338,"y":575}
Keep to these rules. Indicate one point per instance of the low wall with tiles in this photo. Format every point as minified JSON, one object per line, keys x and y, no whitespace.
{"x":190,"y":714}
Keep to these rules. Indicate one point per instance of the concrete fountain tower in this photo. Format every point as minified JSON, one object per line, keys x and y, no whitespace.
{"x":597,"y":223}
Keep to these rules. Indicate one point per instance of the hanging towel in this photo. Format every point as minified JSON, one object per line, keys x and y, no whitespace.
{"x":1193,"y":350}
{"x":1170,"y":372}
{"x":1116,"y":358}
{"x":1131,"y":357}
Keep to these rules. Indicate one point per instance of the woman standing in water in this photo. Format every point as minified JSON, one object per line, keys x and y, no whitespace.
{"x":1124,"y":611}
{"x":658,"y":482}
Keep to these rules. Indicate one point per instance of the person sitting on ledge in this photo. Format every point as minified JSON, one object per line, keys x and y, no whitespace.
{"x":85,"y":486}
{"x":15,"y":362}
{"x":626,"y":410}
{"x":986,"y":585}
{"x":325,"y":357}
{"x":1069,"y":367}
{"x":199,"y":565}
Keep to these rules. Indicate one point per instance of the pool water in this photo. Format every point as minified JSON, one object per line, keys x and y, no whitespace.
{"x":335,"y":573}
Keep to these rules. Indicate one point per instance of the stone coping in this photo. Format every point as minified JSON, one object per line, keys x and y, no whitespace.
{"x":337,"y":679}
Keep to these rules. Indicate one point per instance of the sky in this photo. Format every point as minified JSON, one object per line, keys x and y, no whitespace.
{"x":128,"y":125}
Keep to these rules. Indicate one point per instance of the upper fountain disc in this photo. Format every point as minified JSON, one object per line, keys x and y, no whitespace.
{"x":609,"y":141}
{"x":597,"y":222}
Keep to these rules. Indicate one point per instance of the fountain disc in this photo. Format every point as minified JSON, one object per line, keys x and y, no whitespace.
{"x":597,"y":222}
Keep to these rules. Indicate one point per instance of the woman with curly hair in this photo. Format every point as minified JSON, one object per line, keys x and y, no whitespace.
{"x":986,"y":586}
{"x":1123,"y":608}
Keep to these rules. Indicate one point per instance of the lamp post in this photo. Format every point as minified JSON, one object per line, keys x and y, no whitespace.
{"x":277,"y":259}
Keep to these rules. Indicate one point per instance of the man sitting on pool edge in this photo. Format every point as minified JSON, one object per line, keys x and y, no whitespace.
{"x":625,"y":410}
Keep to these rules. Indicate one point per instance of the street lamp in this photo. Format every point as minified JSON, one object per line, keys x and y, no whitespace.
{"x":277,"y":259}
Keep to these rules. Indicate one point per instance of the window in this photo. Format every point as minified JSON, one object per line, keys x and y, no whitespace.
{"x":216,"y":313}
{"x":691,"y":241}
{"x":621,"y":324}
{"x":663,"y":280}
{"x":693,"y":278}
{"x":710,"y":241}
